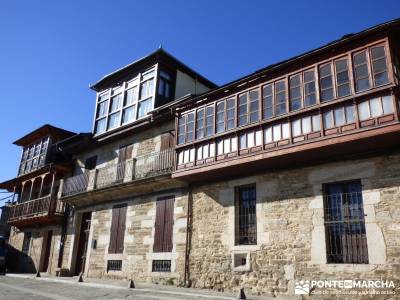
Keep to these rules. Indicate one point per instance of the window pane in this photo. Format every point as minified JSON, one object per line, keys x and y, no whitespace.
{"x":220,"y":116}
{"x":339,"y":116}
{"x":280,"y":98}
{"x":200,"y":124}
{"x":234,"y":143}
{"x":242,"y":141}
{"x":363,"y":110}
{"x":309,"y":88}
{"x":250,"y":139}
{"x":242,"y":110}
{"x":100,"y":126}
{"x":227,"y":145}
{"x":268,"y":135}
{"x":209,"y":120}
{"x":306,"y":125}
{"x":267,"y":101}
{"x":295,"y":92}
{"x":131,"y":96}
{"x":328,"y":120}
{"x":199,"y":154}
{"x":316,"y":123}
{"x":254,"y":105}
{"x":212,"y":150}
{"x":102,"y":109}
{"x":220,"y":147}
{"x":277,"y":133}
{"x":146,"y":89}
{"x":128,"y":114}
{"x":230,"y":113}
{"x":387,"y":103}
{"x":116,"y":103}
{"x":113,"y":120}
{"x":376,"y":108}
{"x":296,"y":127}
{"x":350,"y":114}
{"x":361,"y":72}
{"x":145,"y":107}
{"x":258,"y":137}
{"x":285,"y":131}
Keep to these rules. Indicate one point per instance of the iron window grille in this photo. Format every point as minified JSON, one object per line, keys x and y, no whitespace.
{"x":114,"y":265}
{"x":245,"y":211}
{"x":346,"y":240}
{"x":161,"y":266}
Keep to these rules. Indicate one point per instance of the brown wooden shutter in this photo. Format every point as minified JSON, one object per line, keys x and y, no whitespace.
{"x":159,"y":226}
{"x":121,"y":229}
{"x":168,"y":224}
{"x":164,"y":225}
{"x":114,"y":231}
{"x":167,"y":141}
{"x":117,"y":234}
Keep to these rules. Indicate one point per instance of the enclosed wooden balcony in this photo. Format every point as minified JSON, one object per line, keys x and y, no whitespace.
{"x":43,"y":211}
{"x":134,"y":176}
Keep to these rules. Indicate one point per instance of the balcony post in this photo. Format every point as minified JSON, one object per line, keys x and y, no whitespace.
{"x":134,"y":160}
{"x":92,"y":178}
{"x":60,"y":190}
{"x":30,"y":192}
{"x":41,"y":186}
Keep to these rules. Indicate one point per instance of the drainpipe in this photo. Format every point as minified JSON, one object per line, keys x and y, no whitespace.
{"x":63,"y":237}
{"x":186,"y":279}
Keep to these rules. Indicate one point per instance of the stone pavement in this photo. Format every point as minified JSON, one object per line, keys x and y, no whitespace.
{"x":26,"y":286}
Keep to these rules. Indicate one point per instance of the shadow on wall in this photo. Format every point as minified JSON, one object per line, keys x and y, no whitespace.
{"x":19,"y":262}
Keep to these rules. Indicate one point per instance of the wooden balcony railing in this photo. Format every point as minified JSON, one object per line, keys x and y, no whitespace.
{"x":141,"y":167}
{"x":44,"y":206}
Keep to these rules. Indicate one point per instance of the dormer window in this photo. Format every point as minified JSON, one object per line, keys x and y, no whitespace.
{"x":125,"y":103}
{"x":34,"y":156}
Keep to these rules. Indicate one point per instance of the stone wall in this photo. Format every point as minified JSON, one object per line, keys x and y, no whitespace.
{"x":290,"y":228}
{"x":138,"y":253}
{"x":33,"y":260}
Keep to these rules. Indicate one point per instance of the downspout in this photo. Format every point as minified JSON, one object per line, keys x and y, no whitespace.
{"x":186,"y":279}
{"x":63,"y":237}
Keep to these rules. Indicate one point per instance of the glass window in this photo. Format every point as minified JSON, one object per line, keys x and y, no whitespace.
{"x":190,"y":127}
{"x":242,"y":141}
{"x":113,"y":120}
{"x":146,"y":89}
{"x":285,"y":131}
{"x":242,"y":110}
{"x":181,"y":129}
{"x":128,"y":114}
{"x":268,"y":135}
{"x":280,"y":97}
{"x":328,"y":120}
{"x":209,"y":120}
{"x":230,"y":114}
{"x":375,"y":106}
{"x":339,"y":116}
{"x":316,"y":122}
{"x":102,"y":109}
{"x":254,"y":105}
{"x":309,"y":88}
{"x":220,"y":116}
{"x":363,"y":110}
{"x":342,"y":78}
{"x":268,"y":110}
{"x":131,"y":96}
{"x":199,"y":154}
{"x":350,"y":114}
{"x":116,"y":102}
{"x":100,"y":126}
{"x":250,"y":139}
{"x":379,"y":67}
{"x":144,"y":107}
{"x":387,"y":103}
{"x":200,"y":124}
{"x":277,"y":132}
{"x":295,"y":92}
{"x":245,"y":214}
{"x":361,"y":72}
{"x":227,"y":145}
{"x":296,"y":127}
{"x":220,"y":147}
{"x":326,"y":82}
{"x":306,"y":125}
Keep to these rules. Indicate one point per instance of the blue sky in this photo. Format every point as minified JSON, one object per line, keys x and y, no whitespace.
{"x":52,"y":50}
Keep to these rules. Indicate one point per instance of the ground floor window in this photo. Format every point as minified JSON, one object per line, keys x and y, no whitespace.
{"x":161,"y":266}
{"x":114,"y":265}
{"x":245,"y":215}
{"x":346,"y":240}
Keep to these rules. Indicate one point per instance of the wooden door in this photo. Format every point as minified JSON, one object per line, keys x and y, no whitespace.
{"x":46,"y":247}
{"x":124,"y":154}
{"x":83,"y":243}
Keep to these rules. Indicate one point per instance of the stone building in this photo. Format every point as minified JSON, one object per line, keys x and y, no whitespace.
{"x":290,"y":173}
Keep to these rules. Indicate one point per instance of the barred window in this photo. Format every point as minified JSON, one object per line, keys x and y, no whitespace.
{"x":161,"y":266}
{"x":114,"y":265}
{"x":245,"y":215}
{"x":346,"y":240}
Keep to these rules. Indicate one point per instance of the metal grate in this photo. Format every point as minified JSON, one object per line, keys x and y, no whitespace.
{"x":245,"y":211}
{"x":345,"y":223}
{"x":114,"y":265}
{"x":161,"y":266}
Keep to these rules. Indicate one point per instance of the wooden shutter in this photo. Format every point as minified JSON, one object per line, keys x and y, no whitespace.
{"x":164,"y":225}
{"x":167,"y":141}
{"x":121,"y":229}
{"x":159,"y":225}
{"x":117,"y":229}
{"x":168,"y":224}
